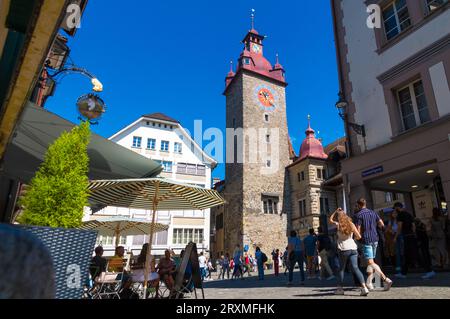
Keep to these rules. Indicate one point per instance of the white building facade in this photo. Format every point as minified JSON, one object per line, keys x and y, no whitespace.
{"x":396,"y":82}
{"x":164,"y":140}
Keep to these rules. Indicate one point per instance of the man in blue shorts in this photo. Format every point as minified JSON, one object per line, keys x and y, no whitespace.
{"x":367,"y":222}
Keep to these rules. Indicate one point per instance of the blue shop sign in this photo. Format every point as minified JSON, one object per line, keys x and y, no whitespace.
{"x":372,"y":171}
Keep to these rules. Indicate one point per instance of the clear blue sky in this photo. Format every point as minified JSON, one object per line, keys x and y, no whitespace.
{"x":172,"y":57}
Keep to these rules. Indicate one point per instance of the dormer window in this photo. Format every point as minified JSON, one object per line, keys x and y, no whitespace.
{"x":246,"y":61}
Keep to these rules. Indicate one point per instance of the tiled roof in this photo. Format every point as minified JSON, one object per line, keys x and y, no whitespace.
{"x":160,"y":116}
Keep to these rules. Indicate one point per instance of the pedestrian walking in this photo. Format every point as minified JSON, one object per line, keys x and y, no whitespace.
{"x":226,"y":266}
{"x":407,"y":230}
{"x":323,"y":248}
{"x":295,"y":256}
{"x":286,"y":261}
{"x":394,"y":249}
{"x":255,"y":264}
{"x":423,"y":244}
{"x":202,"y":264}
{"x":310,"y":249}
{"x":246,"y":264}
{"x":210,"y":269}
{"x":276,"y":261}
{"x":261,"y":259}
{"x":438,"y":237}
{"x":237,"y":259}
{"x":367,"y":222}
{"x":347,"y":249}
{"x":219,"y":265}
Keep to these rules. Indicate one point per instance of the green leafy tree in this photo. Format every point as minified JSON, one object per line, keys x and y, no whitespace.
{"x":59,"y":190}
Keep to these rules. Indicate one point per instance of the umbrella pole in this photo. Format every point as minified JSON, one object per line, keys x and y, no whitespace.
{"x":150,"y":240}
{"x":117,"y":236}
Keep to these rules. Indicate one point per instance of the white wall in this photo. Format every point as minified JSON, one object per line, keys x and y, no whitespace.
{"x":366,"y":64}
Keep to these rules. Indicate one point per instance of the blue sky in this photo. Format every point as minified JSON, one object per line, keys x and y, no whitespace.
{"x":172,"y":57}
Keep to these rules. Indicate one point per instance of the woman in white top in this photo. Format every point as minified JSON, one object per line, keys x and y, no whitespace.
{"x":347,"y":249}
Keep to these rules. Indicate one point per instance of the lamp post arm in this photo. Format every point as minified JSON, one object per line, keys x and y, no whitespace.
{"x":98,"y":86}
{"x":75,"y":70}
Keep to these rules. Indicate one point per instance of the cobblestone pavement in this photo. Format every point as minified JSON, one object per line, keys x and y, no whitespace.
{"x":276,"y":288}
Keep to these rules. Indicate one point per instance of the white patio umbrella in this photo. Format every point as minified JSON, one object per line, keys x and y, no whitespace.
{"x":154,"y":193}
{"x":122,"y":226}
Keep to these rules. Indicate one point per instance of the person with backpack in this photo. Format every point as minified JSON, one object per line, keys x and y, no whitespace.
{"x":261,"y":258}
{"x":310,"y":250}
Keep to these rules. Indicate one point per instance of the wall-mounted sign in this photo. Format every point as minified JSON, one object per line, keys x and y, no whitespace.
{"x":372,"y":171}
{"x":91,"y":106}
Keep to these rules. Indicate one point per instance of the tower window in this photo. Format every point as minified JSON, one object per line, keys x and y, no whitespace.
{"x":153,"y":124}
{"x":319,"y":173}
{"x":148,"y":123}
{"x":269,"y":163}
{"x":270,"y":205}
{"x":268,"y":138}
{"x":266,"y":117}
{"x":302,"y":207}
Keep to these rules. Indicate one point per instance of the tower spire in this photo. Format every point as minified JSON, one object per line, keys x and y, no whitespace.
{"x":231,"y":66}
{"x":309,"y":130}
{"x":253,"y":19}
{"x":277,"y":62}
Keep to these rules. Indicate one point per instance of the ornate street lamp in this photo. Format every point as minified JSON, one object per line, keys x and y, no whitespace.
{"x":342,"y":106}
{"x":90,"y":106}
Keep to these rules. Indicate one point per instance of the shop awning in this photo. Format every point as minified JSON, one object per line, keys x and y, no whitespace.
{"x":38,"y":128}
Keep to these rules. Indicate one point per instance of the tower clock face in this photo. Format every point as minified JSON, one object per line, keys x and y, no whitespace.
{"x":266,"y":97}
{"x":256,"y":48}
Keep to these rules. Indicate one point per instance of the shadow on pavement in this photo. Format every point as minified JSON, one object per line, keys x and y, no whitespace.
{"x":271,"y":281}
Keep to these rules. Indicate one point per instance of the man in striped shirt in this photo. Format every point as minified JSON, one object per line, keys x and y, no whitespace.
{"x":367,"y":222}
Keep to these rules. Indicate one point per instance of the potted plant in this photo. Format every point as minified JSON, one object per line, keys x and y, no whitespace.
{"x":53,"y":208}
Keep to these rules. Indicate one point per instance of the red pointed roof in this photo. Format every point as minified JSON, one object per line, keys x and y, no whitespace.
{"x":311,"y":146}
{"x":256,"y":62}
{"x":277,"y":66}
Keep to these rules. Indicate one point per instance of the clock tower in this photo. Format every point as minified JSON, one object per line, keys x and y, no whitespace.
{"x":257,"y":151}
